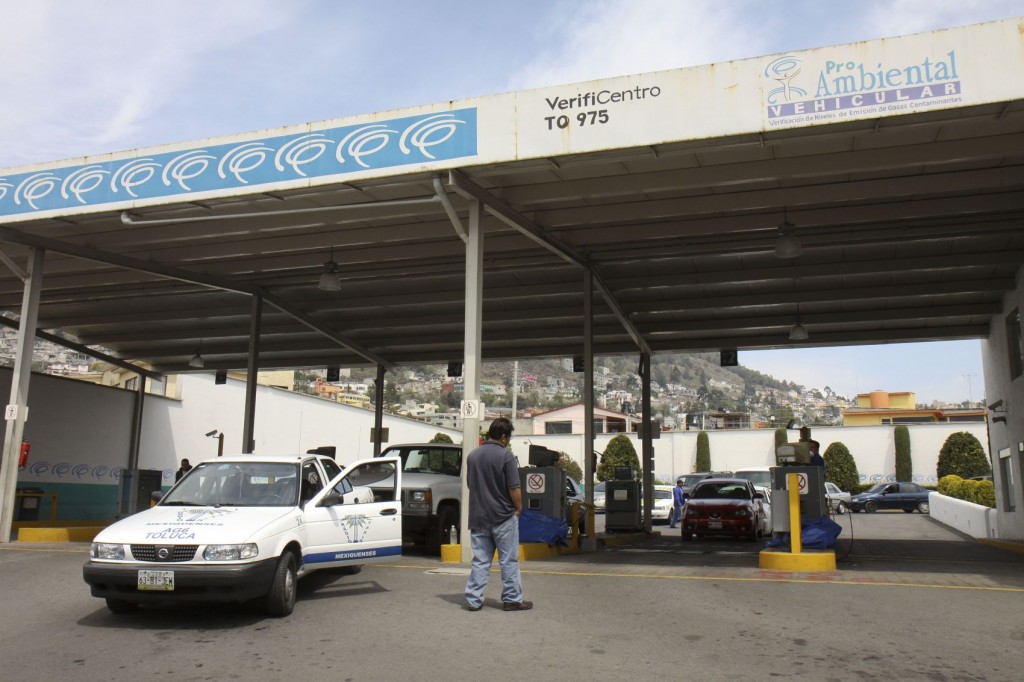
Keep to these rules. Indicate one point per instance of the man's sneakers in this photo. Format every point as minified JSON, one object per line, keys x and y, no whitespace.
{"x":517,"y":605}
{"x":470,"y":607}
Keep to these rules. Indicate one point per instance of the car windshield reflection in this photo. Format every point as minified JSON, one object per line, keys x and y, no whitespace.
{"x":237,"y":484}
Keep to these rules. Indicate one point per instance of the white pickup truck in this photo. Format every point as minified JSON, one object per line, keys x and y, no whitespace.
{"x":432,"y":491}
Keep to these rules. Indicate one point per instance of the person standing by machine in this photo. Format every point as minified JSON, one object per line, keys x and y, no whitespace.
{"x":495,"y":505}
{"x":678,"y":500}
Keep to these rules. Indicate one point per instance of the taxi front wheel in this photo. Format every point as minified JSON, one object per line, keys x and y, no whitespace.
{"x":281,"y":598}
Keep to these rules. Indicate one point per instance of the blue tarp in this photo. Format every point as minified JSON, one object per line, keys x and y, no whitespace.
{"x":819,"y":533}
{"x":536,"y":526}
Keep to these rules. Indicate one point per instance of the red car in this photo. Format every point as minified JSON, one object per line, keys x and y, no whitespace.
{"x":723,"y":506}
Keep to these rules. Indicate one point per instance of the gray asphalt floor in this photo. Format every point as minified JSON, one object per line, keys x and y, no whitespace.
{"x":910,"y":600}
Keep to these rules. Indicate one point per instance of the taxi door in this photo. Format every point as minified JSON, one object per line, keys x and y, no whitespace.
{"x":357,"y":517}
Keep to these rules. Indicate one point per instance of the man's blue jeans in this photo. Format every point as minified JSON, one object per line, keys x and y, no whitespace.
{"x":505,"y":538}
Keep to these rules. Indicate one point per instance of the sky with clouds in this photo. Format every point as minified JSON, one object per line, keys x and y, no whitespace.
{"x":94,"y":76}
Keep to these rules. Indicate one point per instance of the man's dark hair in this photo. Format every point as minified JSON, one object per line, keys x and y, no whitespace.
{"x":500,"y":428}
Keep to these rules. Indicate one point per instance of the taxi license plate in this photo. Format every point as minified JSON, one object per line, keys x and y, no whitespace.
{"x":156,"y":580}
{"x":715,"y":525}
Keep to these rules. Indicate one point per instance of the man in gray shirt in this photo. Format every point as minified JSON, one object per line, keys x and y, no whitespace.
{"x":495,"y":503}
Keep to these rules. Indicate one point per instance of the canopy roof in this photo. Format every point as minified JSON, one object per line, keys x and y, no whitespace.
{"x":908,"y":203}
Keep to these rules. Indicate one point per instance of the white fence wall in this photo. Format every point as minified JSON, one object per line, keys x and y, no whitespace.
{"x":873,"y":448}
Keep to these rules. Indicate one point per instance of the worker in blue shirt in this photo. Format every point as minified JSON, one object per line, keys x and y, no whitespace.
{"x":678,"y":500}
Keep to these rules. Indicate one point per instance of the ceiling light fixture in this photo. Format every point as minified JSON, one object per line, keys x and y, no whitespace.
{"x":798,"y":332}
{"x":788,"y":244}
{"x":196,"y":361}
{"x":329,"y":280}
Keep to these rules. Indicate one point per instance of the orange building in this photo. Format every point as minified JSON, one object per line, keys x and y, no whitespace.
{"x":881,"y":407}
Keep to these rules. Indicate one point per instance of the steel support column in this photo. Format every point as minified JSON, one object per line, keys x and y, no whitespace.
{"x":378,"y":411}
{"x":252,"y":370}
{"x":590,"y":543}
{"x":647,"y":439}
{"x":17,"y":407}
{"x":473,"y":346}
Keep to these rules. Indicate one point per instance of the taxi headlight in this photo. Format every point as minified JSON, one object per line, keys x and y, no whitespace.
{"x":106,"y":550}
{"x":230,"y":552}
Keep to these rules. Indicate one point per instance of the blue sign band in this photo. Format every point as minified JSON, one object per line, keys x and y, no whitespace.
{"x":239,"y":165}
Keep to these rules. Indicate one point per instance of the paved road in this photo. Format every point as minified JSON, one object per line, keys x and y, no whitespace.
{"x":911,"y":600}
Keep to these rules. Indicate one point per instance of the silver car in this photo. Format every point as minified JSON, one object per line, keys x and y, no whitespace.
{"x":838,"y":501}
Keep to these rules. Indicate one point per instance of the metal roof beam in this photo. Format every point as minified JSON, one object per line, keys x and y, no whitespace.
{"x":508,"y":215}
{"x":170,"y":272}
{"x":81,"y":348}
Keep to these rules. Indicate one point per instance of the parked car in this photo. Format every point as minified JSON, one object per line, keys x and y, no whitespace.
{"x":247,"y":527}
{"x":690,"y":480}
{"x":761,"y":478}
{"x":662,"y":504}
{"x":905,"y":496}
{"x":599,"y":498}
{"x":724,"y":506}
{"x":838,"y":500}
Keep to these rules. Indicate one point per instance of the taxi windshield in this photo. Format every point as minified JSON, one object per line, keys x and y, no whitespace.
{"x":237,"y":484}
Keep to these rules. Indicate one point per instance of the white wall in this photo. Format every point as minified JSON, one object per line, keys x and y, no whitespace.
{"x":1007,"y":438}
{"x":872,"y":447}
{"x":81,"y":433}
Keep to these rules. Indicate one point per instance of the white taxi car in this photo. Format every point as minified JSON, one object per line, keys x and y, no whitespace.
{"x":248,"y":526}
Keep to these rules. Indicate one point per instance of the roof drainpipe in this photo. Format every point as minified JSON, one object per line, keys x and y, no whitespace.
{"x":449,"y":209}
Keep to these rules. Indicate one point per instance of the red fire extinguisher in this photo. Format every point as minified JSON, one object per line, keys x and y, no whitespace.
{"x":23,"y":456}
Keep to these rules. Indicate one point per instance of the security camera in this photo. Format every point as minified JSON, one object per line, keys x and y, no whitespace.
{"x":212,"y":433}
{"x":996,"y":405}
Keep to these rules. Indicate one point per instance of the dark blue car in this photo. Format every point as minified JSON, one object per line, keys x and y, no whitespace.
{"x":905,"y":496}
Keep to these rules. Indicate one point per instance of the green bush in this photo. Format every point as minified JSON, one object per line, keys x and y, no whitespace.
{"x":904,"y":465}
{"x":703,"y":462}
{"x":781,"y":437}
{"x":962,"y":455}
{"x":441,"y":438}
{"x":965,"y":491}
{"x":978,"y":492}
{"x":985,"y":494}
{"x":620,"y":452}
{"x":948,"y":484}
{"x":569,"y":466}
{"x":840,"y":468}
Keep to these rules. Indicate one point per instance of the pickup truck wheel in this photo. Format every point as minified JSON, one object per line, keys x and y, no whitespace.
{"x":922,"y":507}
{"x":870,"y":506}
{"x":840,"y":508}
{"x":281,"y":598}
{"x":121,"y":606}
{"x":441,"y":532}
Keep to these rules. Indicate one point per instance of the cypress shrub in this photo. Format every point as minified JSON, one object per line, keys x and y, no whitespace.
{"x":620,"y":452}
{"x":840,"y":467}
{"x":703,"y":462}
{"x":904,"y":466}
{"x":962,"y":455}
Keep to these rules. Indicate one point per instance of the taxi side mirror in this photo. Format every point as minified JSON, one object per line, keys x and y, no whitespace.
{"x":331,"y":499}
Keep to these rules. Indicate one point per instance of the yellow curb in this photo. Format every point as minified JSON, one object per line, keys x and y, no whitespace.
{"x":1010,"y":545}
{"x":805,"y":561}
{"x":80,"y":534}
{"x":451,"y":554}
{"x":623,"y":539}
